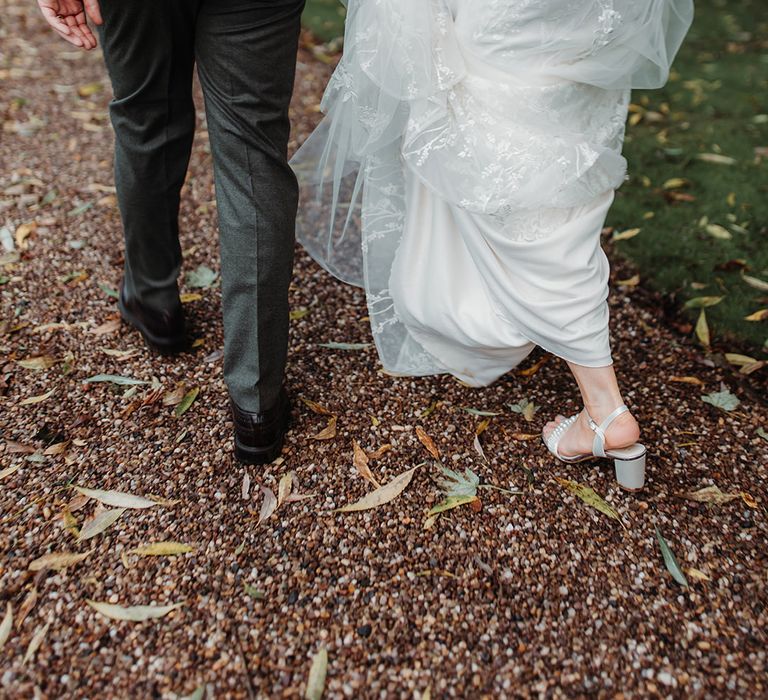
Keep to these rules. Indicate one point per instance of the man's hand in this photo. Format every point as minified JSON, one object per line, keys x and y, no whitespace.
{"x":68,"y":19}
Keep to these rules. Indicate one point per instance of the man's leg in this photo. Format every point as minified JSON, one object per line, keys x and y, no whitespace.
{"x":246,"y":54}
{"x":149,"y":51}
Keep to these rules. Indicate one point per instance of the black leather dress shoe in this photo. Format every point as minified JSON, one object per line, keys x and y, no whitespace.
{"x":259,"y":436}
{"x":163,"y":331}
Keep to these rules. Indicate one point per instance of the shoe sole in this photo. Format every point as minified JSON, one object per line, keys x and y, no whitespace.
{"x":162,"y":347}
{"x":259,"y":455}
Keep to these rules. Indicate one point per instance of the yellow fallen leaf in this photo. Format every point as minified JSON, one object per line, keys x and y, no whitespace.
{"x":189,"y":297}
{"x":625,"y":235}
{"x":316,"y":407}
{"x":697,"y":575}
{"x":22,"y":233}
{"x":135,"y":613}
{"x":760,"y":315}
{"x":58,"y":560}
{"x":162,"y":549}
{"x":749,"y":500}
{"x":37,"y":399}
{"x":702,"y":329}
{"x":630,"y":282}
{"x":675,"y":183}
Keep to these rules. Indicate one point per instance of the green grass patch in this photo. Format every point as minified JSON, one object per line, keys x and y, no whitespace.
{"x":324,"y":18}
{"x":699,"y":171}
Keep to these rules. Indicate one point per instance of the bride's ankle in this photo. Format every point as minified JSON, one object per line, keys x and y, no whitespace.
{"x":623,"y":430}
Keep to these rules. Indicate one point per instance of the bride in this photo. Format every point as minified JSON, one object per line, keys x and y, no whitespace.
{"x":462,"y":176}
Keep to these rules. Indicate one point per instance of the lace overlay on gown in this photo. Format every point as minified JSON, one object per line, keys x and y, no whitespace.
{"x":464,"y":168}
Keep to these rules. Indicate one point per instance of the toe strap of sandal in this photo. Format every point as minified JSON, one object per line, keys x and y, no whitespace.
{"x":598,"y":444}
{"x":553,"y":439}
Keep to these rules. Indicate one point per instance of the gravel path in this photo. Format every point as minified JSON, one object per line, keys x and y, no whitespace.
{"x":524,"y":595}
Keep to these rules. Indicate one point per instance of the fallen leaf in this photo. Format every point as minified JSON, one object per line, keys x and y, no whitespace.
{"x":762,"y":433}
{"x":525,"y":407}
{"x":186,"y":402}
{"x":345,"y":346}
{"x":26,"y":607}
{"x":316,"y":407}
{"x":6,"y":625}
{"x":69,"y":522}
{"x":625,"y":235}
{"x":530,"y":371}
{"x":724,"y":400}
{"x":718,"y":231}
{"x":22,"y":233}
{"x":37,"y":363}
{"x":630,"y":282}
{"x":162,"y":549}
{"x":381,"y":495}
{"x":450,"y":503}
{"x":58,"y":560}
{"x":329,"y":432}
{"x":100,"y":521}
{"x":716,"y":158}
{"x":687,"y":380}
{"x":478,"y":412}
{"x":189,"y":297}
{"x":590,"y":497}
{"x":114,"y":379}
{"x":89,"y":89}
{"x":760,"y":315}
{"x":57,"y":449}
{"x":135,"y":613}
{"x":37,"y":399}
{"x":360,"y":460}
{"x":669,"y":560}
{"x":454,"y":484}
{"x":284,"y":488}
{"x":107,"y":327}
{"x":202,"y":277}
{"x":297,"y":314}
{"x":35,"y":642}
{"x":701,"y":302}
{"x":9,"y":470}
{"x":748,"y":499}
{"x":427,"y":441}
{"x":675,"y":183}
{"x":740,"y":360}
{"x":697,"y":575}
{"x":525,"y":436}
{"x":702,"y":329}
{"x":755,"y":282}
{"x":175,"y":396}
{"x":381,"y":451}
{"x":429,"y":523}
{"x":245,"y":488}
{"x":710,"y":494}
{"x":268,"y":506}
{"x":118,"y":499}
{"x":317,"y":673}
{"x":254,"y":592}
{"x":479,"y":448}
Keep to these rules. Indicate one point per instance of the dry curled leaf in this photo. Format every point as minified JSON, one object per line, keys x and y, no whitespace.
{"x":6,"y":625}
{"x":360,"y":460}
{"x":285,"y":487}
{"x":162,"y":549}
{"x":710,"y":494}
{"x":427,"y":441}
{"x":378,"y":453}
{"x":35,"y":642}
{"x":687,"y":380}
{"x":329,"y":432}
{"x":316,"y":407}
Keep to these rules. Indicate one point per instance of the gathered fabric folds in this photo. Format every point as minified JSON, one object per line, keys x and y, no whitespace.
{"x":464,"y":168}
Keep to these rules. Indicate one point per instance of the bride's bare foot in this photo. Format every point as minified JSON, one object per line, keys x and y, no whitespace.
{"x":622,"y":432}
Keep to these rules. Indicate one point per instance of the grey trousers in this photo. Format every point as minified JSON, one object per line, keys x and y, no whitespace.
{"x":245,"y":51}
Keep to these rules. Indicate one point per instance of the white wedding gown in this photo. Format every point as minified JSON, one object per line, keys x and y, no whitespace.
{"x":465,"y":166}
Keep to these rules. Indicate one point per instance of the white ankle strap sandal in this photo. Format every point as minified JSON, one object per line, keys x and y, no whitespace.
{"x":629,"y":461}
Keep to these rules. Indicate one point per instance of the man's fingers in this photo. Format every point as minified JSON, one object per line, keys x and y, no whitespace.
{"x":55,"y":21}
{"x":79,"y":28}
{"x":93,"y":10}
